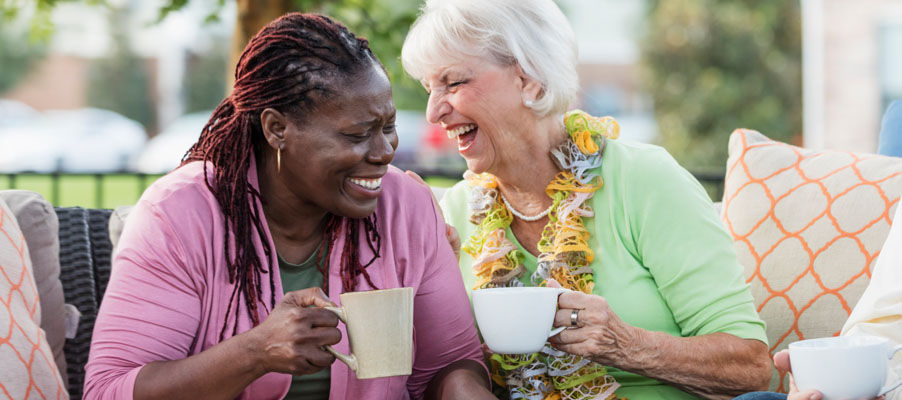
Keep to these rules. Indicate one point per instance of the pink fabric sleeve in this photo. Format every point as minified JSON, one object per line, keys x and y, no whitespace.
{"x":444,"y":331}
{"x":150,"y":311}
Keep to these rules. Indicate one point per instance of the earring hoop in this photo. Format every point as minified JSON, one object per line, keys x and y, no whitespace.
{"x":279,"y":160}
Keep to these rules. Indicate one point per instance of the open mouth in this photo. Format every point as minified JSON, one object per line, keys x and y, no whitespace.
{"x":465,"y":135}
{"x":367,"y":183}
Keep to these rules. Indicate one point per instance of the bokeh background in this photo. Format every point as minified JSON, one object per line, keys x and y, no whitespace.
{"x":100,"y":97}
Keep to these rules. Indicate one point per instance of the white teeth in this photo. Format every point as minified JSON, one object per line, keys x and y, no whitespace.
{"x":367,"y":183}
{"x":454,"y":133}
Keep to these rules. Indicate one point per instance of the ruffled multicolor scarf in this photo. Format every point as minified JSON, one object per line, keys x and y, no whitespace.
{"x":565,"y":257}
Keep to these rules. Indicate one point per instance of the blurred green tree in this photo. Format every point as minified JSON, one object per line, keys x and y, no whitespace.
{"x":715,"y":65}
{"x":383,"y":22}
{"x":121,"y":81}
{"x":205,"y":78}
{"x":17,"y":56}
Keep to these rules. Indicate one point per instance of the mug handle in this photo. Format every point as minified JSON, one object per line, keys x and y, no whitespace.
{"x":348,"y":359}
{"x":559,"y":329}
{"x":889,"y":387}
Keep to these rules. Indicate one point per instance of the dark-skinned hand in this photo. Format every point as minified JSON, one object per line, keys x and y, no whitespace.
{"x":292,"y":337}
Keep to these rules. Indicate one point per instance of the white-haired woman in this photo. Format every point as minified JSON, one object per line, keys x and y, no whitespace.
{"x":659,"y":307}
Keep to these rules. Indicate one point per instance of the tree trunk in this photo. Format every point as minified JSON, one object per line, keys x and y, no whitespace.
{"x":253,"y":15}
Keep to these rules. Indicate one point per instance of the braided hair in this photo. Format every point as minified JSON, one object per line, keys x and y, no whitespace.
{"x":288,"y":66}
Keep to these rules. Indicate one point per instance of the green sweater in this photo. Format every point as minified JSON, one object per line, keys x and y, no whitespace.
{"x":663,"y":261}
{"x":297,"y":277}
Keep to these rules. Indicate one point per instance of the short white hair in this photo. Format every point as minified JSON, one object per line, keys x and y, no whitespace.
{"x":533,"y":34}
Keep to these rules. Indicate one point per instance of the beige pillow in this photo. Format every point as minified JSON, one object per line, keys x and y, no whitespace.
{"x":807,"y":226}
{"x":28,"y":368}
{"x":38,"y":222}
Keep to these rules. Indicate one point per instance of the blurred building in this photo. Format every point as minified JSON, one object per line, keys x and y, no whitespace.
{"x":86,"y":33}
{"x":608,"y":32}
{"x":58,"y":82}
{"x":852,"y":57}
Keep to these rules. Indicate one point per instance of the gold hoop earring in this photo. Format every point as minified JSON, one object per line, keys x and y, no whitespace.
{"x":279,"y":160}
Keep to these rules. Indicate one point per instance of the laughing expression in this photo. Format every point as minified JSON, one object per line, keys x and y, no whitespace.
{"x":334,"y":159}
{"x":479,"y":104}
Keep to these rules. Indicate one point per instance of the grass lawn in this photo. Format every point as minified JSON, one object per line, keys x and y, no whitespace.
{"x":114,"y":189}
{"x":123,"y":189}
{"x":441,"y":181}
{"x":88,"y":191}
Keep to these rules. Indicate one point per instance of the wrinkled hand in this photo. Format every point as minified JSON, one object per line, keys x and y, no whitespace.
{"x":292,"y":337}
{"x":781,"y":361}
{"x":450,"y":232}
{"x":600,"y":334}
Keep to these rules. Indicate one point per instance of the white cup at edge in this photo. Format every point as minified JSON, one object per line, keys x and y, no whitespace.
{"x":845,"y":367}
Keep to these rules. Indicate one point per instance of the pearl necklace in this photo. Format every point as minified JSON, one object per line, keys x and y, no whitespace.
{"x":565,"y":256}
{"x":521,"y":215}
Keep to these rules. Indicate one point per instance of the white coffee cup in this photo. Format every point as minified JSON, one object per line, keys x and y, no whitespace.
{"x":845,"y":367}
{"x":516,"y":320}
{"x":380,"y":332}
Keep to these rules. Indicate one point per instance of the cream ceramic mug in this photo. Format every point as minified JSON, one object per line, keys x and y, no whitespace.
{"x":516,"y":320}
{"x":845,"y":367}
{"x":380,"y":331}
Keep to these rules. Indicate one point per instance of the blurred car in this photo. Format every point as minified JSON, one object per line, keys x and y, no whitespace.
{"x":99,"y":140}
{"x":421,"y":146}
{"x":22,"y":146}
{"x":425,"y":147}
{"x":81,"y":140}
{"x":14,"y":112}
{"x":164,"y":152}
{"x":29,"y":147}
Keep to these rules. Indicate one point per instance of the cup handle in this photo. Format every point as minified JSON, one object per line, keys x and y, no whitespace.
{"x":559,"y":329}
{"x":886,"y":389}
{"x":348,"y":359}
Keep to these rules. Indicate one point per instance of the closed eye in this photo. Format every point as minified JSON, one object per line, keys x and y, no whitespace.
{"x":356,"y":137}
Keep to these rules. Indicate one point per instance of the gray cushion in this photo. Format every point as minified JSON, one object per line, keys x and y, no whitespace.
{"x":117,"y":222}
{"x":39,"y":225}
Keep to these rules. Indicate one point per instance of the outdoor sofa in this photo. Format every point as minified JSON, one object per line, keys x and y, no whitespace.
{"x":807,"y":227}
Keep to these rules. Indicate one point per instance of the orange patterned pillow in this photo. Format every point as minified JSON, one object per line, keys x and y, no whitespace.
{"x":27,"y":369}
{"x":807,"y":227}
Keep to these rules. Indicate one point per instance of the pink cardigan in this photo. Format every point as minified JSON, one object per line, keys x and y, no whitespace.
{"x":169,"y":289}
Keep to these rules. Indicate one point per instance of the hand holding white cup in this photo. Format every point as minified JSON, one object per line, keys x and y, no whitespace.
{"x":839,"y":368}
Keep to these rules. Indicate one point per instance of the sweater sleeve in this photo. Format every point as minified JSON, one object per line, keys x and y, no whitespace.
{"x":444,"y":331}
{"x":150,"y":311}
{"x":688,"y":252}
{"x":879,"y":310}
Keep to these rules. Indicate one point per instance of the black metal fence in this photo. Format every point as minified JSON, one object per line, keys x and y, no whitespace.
{"x":108,"y":190}
{"x":90,"y":190}
{"x":712,"y":182}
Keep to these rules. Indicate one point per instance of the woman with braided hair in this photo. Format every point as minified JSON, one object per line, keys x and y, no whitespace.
{"x":287,"y":197}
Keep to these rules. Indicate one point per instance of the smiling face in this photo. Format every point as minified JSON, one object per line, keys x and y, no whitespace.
{"x":481,"y":106}
{"x":333,"y":158}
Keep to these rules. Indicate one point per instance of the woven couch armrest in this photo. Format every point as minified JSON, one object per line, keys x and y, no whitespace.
{"x":85,"y":252}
